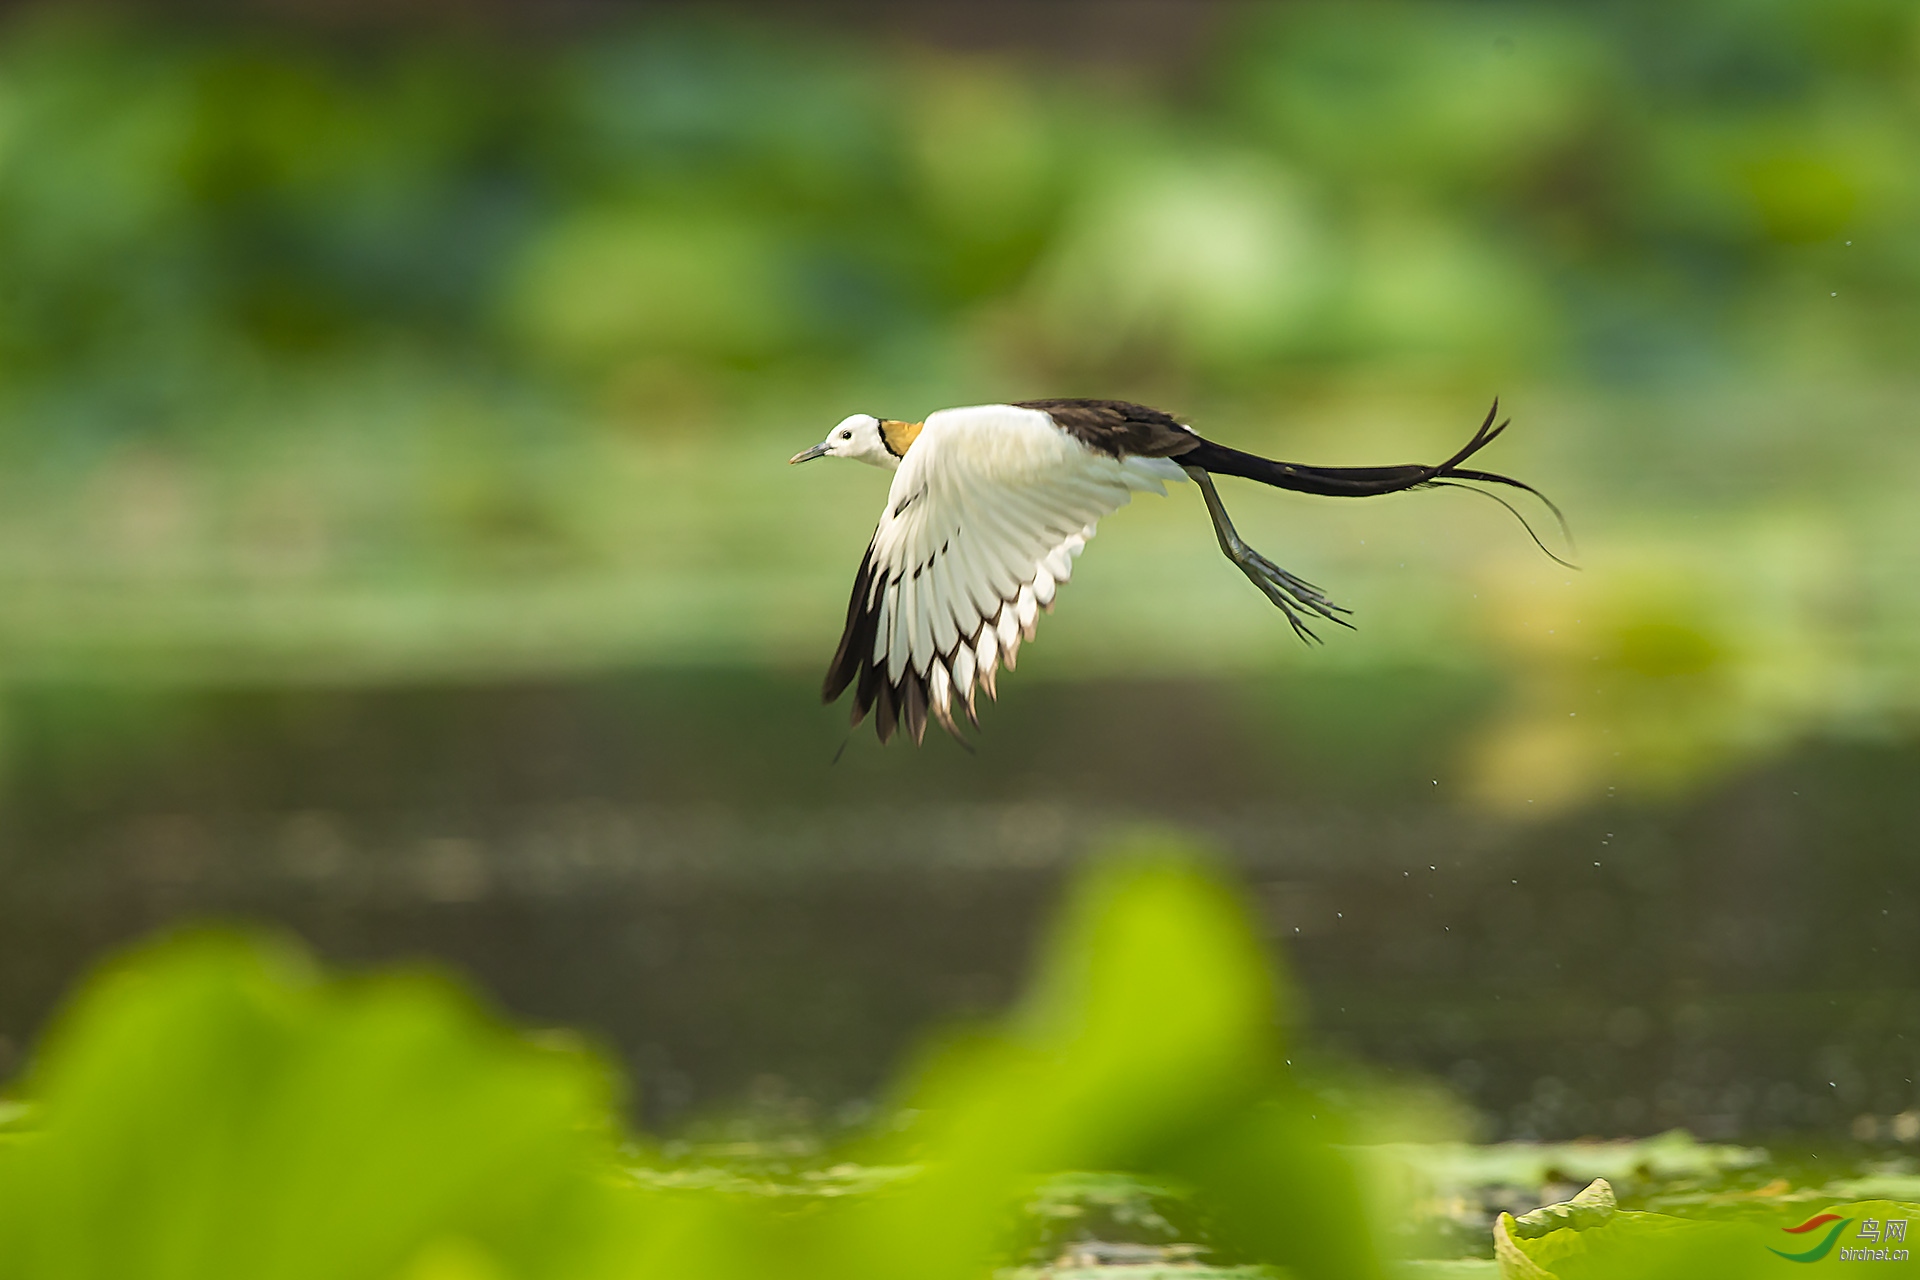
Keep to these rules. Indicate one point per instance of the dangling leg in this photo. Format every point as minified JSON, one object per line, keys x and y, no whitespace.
{"x":1275,"y":583}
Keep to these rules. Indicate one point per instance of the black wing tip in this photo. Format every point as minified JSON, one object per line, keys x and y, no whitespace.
{"x":856,"y":638}
{"x":905,"y":706}
{"x":885,"y":711}
{"x":897,"y":704}
{"x":913,"y":687}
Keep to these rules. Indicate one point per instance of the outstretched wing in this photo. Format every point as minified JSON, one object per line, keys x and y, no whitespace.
{"x":986,"y":514}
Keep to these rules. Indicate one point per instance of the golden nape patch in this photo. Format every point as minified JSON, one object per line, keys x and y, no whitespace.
{"x":899,"y":436}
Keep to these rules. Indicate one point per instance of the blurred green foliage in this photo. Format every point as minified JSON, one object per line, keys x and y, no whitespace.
{"x":1523,"y":187}
{"x":210,"y":1106}
{"x":404,"y":356}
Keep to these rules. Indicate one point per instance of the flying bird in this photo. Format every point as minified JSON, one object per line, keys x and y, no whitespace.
{"x":991,"y":504}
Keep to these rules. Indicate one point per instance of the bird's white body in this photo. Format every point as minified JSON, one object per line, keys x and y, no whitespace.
{"x":996,"y":444}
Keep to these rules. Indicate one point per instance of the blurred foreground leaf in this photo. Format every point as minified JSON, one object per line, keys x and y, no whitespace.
{"x":210,"y":1107}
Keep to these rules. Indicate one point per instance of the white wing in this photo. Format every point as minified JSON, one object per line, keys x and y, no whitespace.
{"x":987,"y":512}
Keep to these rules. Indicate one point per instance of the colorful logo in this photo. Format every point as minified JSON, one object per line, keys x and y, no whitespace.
{"x":1826,"y":1244}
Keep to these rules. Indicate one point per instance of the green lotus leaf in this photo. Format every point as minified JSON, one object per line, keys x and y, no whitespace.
{"x":1588,"y":1238}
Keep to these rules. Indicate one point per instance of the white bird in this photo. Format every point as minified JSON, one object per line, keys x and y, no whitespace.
{"x":990,"y":505}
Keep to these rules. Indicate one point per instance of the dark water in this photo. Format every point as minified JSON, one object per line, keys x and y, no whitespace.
{"x":671,"y":862}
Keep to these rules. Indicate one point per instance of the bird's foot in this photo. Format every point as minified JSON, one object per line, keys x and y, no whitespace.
{"x":1288,"y":591}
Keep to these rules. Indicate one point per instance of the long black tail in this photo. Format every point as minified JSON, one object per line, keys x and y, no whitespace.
{"x":1367,"y":482}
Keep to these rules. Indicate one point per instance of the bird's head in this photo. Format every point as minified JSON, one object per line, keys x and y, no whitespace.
{"x":882,"y":442}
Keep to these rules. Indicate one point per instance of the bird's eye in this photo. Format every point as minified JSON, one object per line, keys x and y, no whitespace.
{"x":846,"y":435}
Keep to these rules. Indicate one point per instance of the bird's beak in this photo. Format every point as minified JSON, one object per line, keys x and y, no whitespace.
{"x":808,"y":455}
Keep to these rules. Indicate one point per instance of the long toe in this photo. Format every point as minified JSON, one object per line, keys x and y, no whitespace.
{"x":1277,"y":593}
{"x":1272,"y":578}
{"x":1307,"y":593}
{"x":1300,"y":628}
{"x":1298,"y":587}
